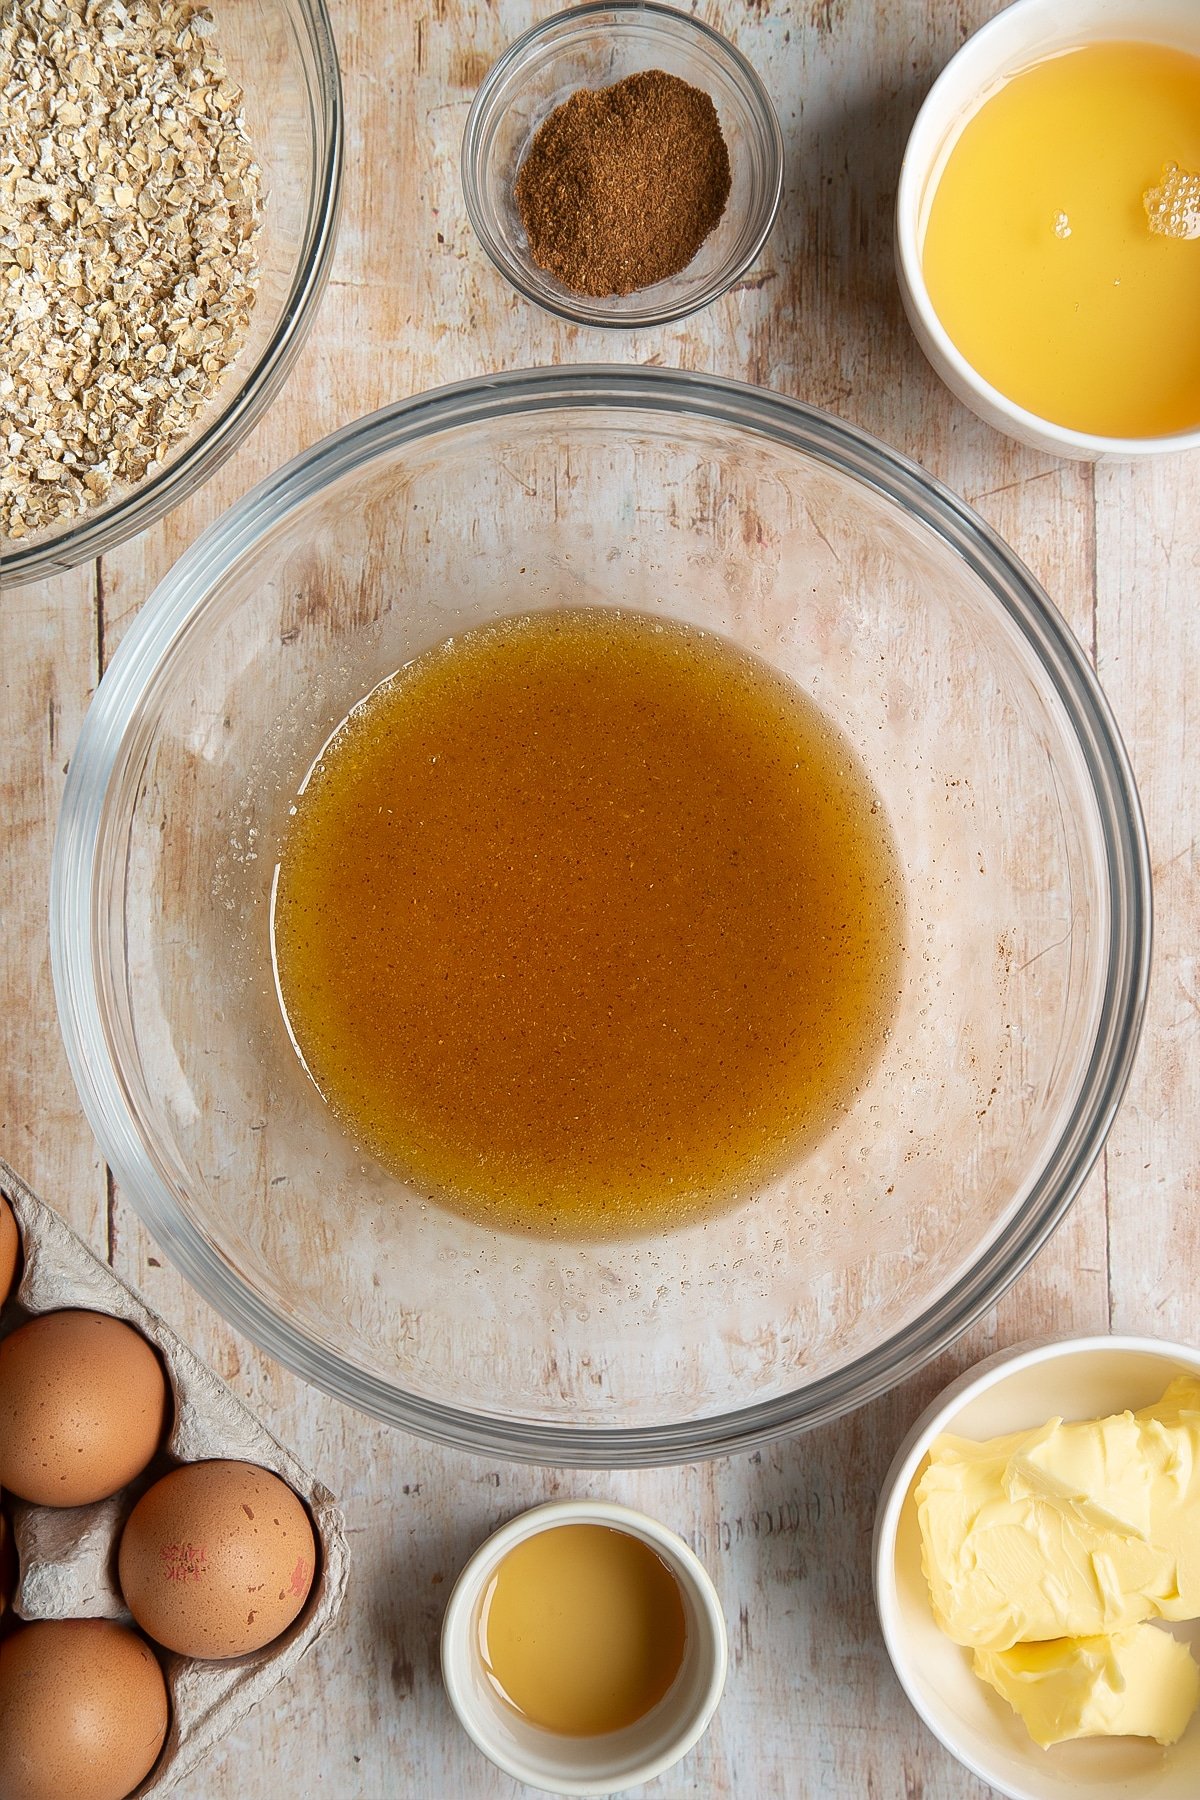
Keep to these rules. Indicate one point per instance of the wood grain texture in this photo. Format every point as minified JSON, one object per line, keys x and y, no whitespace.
{"x":811,"y":1708}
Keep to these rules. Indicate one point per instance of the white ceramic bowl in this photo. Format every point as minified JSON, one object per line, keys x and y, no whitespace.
{"x":618,"y":1759}
{"x":1017,"y":1389}
{"x":1026,"y":32}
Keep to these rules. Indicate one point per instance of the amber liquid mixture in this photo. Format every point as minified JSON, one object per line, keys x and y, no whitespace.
{"x":588,"y":923}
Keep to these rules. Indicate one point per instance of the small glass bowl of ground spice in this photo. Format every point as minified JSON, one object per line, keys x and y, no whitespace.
{"x":622,"y":164}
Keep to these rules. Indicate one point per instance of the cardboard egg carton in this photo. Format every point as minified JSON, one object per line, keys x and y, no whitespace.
{"x":68,"y":1556}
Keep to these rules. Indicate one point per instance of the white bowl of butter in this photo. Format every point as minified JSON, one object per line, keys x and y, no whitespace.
{"x":1087,"y":1525}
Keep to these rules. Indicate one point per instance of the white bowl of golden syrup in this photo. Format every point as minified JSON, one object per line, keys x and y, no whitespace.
{"x":1018,"y":1390}
{"x":1048,"y":226}
{"x":584,"y":1648}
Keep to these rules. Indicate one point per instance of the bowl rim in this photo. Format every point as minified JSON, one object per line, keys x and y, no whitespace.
{"x":955,"y":95}
{"x":991,"y":1372}
{"x":588,"y":309}
{"x":90,"y":534}
{"x":167,"y":615}
{"x":689,"y":1572}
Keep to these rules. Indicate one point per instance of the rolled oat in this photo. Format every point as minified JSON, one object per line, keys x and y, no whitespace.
{"x":130,"y":202}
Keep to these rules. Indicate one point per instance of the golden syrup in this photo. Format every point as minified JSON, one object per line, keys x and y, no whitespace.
{"x":1059,"y":253}
{"x":586,"y":923}
{"x":582,"y":1629}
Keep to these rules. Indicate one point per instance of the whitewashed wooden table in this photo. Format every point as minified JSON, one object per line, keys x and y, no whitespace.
{"x":811,"y":1707}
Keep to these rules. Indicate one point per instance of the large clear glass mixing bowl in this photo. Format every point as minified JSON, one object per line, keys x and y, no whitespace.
{"x":853,"y":573}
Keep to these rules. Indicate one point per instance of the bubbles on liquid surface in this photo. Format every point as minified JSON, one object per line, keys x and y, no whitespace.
{"x":1062,"y":225}
{"x":1173,"y":208}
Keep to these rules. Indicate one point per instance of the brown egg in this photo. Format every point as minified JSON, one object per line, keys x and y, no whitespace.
{"x":83,"y":1408}
{"x":83,"y":1711}
{"x":217,"y":1559}
{"x":10,"y":1249}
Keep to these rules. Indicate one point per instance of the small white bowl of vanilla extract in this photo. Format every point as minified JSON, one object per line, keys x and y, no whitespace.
{"x":584,"y":1648}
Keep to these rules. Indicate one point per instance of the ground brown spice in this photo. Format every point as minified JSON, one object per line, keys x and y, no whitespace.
{"x":622,"y":184}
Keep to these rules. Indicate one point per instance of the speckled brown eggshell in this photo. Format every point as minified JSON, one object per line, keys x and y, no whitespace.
{"x":83,"y":1711}
{"x":10,"y":1250}
{"x":84,"y":1406}
{"x":217,"y":1559}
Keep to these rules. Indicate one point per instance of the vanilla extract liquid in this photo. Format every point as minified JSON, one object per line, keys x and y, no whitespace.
{"x":582,"y":1629}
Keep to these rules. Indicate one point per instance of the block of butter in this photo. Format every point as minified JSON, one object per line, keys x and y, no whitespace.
{"x":1140,"y":1682}
{"x":1068,"y":1531}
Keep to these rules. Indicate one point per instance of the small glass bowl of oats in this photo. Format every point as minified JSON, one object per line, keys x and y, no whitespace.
{"x":169,"y":183}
